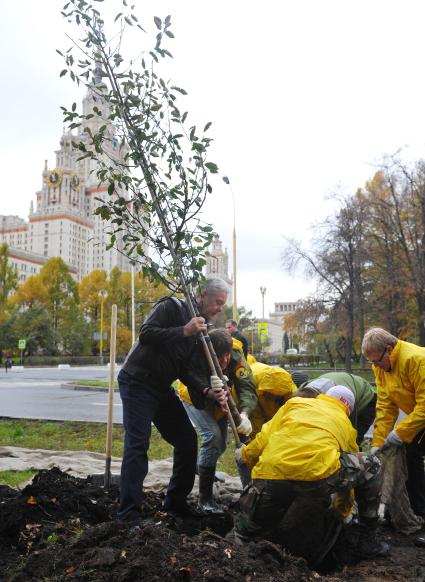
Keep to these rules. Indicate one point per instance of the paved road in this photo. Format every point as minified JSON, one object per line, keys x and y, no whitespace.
{"x":37,"y":393}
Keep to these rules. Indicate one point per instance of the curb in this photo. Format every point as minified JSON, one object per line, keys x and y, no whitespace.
{"x":71,"y":386}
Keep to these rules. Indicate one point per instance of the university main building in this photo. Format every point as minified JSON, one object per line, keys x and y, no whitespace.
{"x":63,"y":223}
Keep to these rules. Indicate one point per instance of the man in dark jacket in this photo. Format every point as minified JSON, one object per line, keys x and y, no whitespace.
{"x":232,"y":328}
{"x":168,"y":348}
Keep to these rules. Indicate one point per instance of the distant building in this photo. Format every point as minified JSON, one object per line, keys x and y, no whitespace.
{"x":63,"y":223}
{"x":282,"y":309}
{"x":218,"y":265}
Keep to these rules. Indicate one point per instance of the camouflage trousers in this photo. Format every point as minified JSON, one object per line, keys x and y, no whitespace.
{"x":264,"y":502}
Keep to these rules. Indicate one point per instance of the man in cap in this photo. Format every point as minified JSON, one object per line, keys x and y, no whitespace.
{"x":364,"y":409}
{"x":309,"y":449}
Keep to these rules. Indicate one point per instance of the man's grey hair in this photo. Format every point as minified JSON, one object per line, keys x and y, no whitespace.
{"x":213,"y":286}
{"x":377,"y":339}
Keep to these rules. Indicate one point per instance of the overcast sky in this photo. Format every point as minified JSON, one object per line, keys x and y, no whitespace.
{"x":305,"y":97}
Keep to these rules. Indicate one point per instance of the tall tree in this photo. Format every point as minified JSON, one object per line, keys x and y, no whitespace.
{"x":403,"y":207}
{"x":337,"y":261}
{"x":157,"y":195}
{"x":8,"y":277}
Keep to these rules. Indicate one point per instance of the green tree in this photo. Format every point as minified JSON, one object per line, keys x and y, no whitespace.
{"x":156,"y":196}
{"x":35,"y":325}
{"x":62,"y":290}
{"x":8,"y":277}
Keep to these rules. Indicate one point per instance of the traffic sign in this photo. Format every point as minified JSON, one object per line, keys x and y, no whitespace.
{"x":22,"y":344}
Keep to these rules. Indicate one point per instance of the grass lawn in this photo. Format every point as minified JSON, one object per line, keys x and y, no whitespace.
{"x":81,"y":436}
{"x":94,"y":383}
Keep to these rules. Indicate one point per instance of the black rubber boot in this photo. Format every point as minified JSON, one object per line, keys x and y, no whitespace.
{"x":368,"y":545}
{"x":206,"y":483}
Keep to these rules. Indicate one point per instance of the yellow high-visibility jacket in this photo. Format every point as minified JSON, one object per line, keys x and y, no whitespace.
{"x":303,"y":441}
{"x":403,"y":387}
{"x":274,"y":386}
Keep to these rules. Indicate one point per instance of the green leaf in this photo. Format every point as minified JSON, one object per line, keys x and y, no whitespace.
{"x":63,"y":72}
{"x":118,"y":16}
{"x":158,"y":22}
{"x":208,"y":125}
{"x":180,"y":90}
{"x":213,"y":168}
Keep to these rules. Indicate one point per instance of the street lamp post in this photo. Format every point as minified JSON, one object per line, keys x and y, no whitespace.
{"x":263,"y":292}
{"x":235,"y":307}
{"x":102,"y":294}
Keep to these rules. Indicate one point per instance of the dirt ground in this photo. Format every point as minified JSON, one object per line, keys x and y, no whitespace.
{"x":64,"y":528}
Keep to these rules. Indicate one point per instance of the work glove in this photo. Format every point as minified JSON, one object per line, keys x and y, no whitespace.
{"x":393,"y":439}
{"x":216,"y":384}
{"x":217,"y":392}
{"x":238,"y":454}
{"x":245,"y":426}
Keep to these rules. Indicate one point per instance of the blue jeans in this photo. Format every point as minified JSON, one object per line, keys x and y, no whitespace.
{"x":144,"y":404}
{"x":213,"y":434}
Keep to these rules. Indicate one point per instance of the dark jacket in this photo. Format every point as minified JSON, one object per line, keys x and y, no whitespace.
{"x":162,"y":354}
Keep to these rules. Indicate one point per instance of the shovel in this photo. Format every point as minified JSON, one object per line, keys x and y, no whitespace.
{"x":108,"y":476}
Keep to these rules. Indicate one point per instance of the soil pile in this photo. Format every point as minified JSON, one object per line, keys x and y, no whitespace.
{"x":64,"y":528}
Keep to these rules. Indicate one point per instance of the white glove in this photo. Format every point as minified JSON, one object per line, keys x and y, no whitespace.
{"x":373,"y":450}
{"x":393,"y":439}
{"x":238,"y":454}
{"x":245,"y":426}
{"x":216,"y":384}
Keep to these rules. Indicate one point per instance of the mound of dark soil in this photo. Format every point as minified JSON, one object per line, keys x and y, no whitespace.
{"x":64,"y":528}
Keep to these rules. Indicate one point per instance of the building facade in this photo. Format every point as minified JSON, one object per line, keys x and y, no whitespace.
{"x":63,"y":223}
{"x":218,"y":265}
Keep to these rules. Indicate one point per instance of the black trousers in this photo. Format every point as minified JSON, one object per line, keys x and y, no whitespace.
{"x":143,"y":405}
{"x":365,"y":419}
{"x":415,"y":452}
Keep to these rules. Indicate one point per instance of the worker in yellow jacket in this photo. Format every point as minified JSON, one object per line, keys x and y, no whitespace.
{"x":399,"y":369}
{"x":309,"y":449}
{"x":211,"y":421}
{"x":274,"y":386}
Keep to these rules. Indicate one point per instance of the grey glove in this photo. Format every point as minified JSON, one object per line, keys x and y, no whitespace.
{"x":393,"y":439}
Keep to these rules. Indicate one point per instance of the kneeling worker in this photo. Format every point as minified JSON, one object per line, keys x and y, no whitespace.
{"x":211,"y":421}
{"x":309,"y":449}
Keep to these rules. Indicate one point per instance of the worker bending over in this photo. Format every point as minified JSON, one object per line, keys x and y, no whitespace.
{"x":274,"y":386}
{"x":309,"y":449}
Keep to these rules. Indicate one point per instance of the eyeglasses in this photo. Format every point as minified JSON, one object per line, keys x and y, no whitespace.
{"x":380,"y":358}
